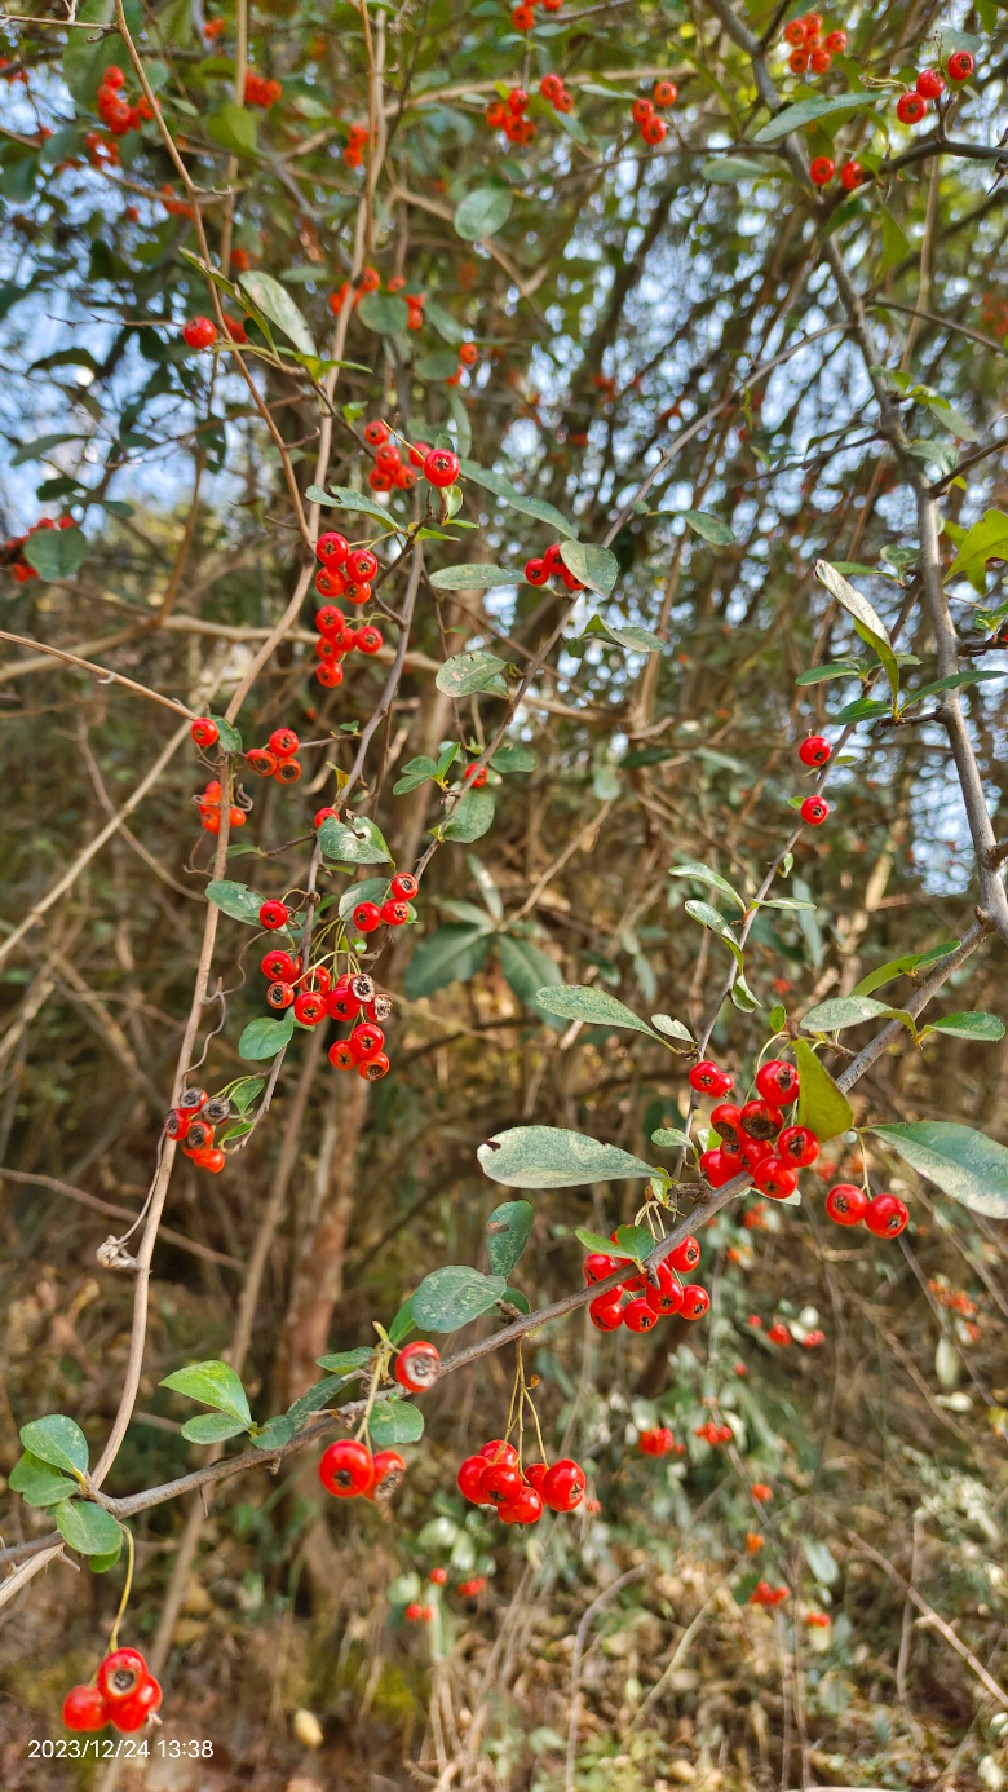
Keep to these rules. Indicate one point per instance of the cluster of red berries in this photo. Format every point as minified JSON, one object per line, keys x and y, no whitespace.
{"x":814,"y":753}
{"x":393,"y":911}
{"x":523,"y":16}
{"x":781,"y":1334}
{"x":764,"y":1594}
{"x":278,"y":758}
{"x":539,"y":572}
{"x":651,"y":1294}
{"x":337,"y":638}
{"x":510,"y":117}
{"x":191,"y":1124}
{"x":369,"y":280}
{"x":114,"y":109}
{"x":209,"y":803}
{"x":260,"y":92}
{"x":823,"y":168}
{"x":345,"y":571}
{"x":811,"y":52}
{"x":357,"y":138}
{"x":390,"y":470}
{"x":658,"y":1440}
{"x":556,"y":94}
{"x":914,"y":105}
{"x":754,"y":1137}
{"x":494,"y":1477}
{"x":885,"y":1215}
{"x":315,"y":997}
{"x":348,"y":1470}
{"x":10,"y":553}
{"x":125,"y":1693}
{"x":644,"y":112}
{"x":714,"y":1434}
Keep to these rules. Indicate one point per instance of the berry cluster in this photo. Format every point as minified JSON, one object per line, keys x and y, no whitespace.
{"x":278,"y":758}
{"x":644,"y":112}
{"x":764,"y":1594}
{"x":559,"y":97}
{"x":394,"y":911}
{"x":260,"y":92}
{"x":495,"y":1478}
{"x":658,"y":1440}
{"x":191,"y":1124}
{"x":417,"y":1613}
{"x":913,"y":106}
{"x":811,"y":52}
{"x":781,"y":1334}
{"x":510,"y":117}
{"x":348,"y":1470}
{"x":345,"y":571}
{"x":114,"y":109}
{"x":714,"y":1434}
{"x":209,"y":802}
{"x":539,"y":572}
{"x":884,"y":1215}
{"x":523,"y":16}
{"x":650,"y":1294}
{"x":10,"y":552}
{"x":125,"y":1694}
{"x":336,"y":638}
{"x":754,"y":1137}
{"x":357,"y":137}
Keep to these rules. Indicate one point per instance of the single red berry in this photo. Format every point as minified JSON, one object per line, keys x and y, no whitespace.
{"x":641,"y":110}
{"x":911,"y":108}
{"x":820,"y":60}
{"x":775,"y":1178}
{"x":260,"y":761}
{"x":369,"y":639}
{"x":273,"y":915}
{"x":665,"y":1294}
{"x":395,"y":914}
{"x":798,"y":1146}
{"x":821,"y":170}
{"x":779,"y":1334}
{"x":813,"y":23}
{"x":714,"y":1168}
{"x":686,"y":1255}
{"x":191,"y":1100}
{"x":389,"y":1473}
{"x":376,"y":432}
{"x":361,"y":565}
{"x":760,"y":1120}
{"x":366,"y":917}
{"x":639,"y":1315}
{"x":960,"y":65}
{"x":606,"y":1311}
{"x":200,"y":332}
{"x":120,"y":1675}
{"x":658,"y":1441}
{"x":332,"y":548}
{"x":404,"y":886}
{"x":754,"y":1151}
{"x":814,"y":750}
{"x":665,"y":93}
{"x":707,"y":1078}
{"x":501,"y":1483}
{"x":535,"y":572}
{"x":846,"y":1204}
{"x":204,"y":732}
{"x":346,"y":1469}
{"x":340,"y":1055}
{"x":133,"y":1713}
{"x":318,"y":979}
{"x":470,"y":1478}
{"x":84,"y":1709}
{"x":886,"y":1216}
{"x":309,"y":1008}
{"x":329,"y":581}
{"x":777,"y":1082}
{"x":441,"y":467}
{"x":814,"y":811}
{"x":418,"y":1366}
{"x":696,"y":1301}
{"x":597,"y":1266}
{"x":283,"y":743}
{"x":836,"y":42}
{"x":536,"y":1475}
{"x":199,"y":1135}
{"x":563,"y":1487}
{"x":654,"y":130}
{"x":366,"y":1041}
{"x":813,"y":1339}
{"x":280,"y":994}
{"x":526,"y":1507}
{"x":358,"y":592}
{"x":930,"y":84}
{"x":852,"y":176}
{"x":176,"y":1124}
{"x":798,"y":60}
{"x":280,"y":964}
{"x":438,"y":1577}
{"x":794,"y":32}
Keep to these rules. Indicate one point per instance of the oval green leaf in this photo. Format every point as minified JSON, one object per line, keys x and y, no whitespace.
{"x":212,"y":1383}
{"x":595,"y":567}
{"x":482,"y":213}
{"x":58,"y":1440}
{"x":841,"y":1012}
{"x":88,"y":1528}
{"x":263,"y":1038}
{"x":508,"y":1231}
{"x":455,"y":1296}
{"x":966,"y":1164}
{"x":394,"y":1422}
{"x":466,"y":673}
{"x":581,"y":1001}
{"x":552,"y":1157}
{"x":473,"y":576}
{"x":821,"y":1105}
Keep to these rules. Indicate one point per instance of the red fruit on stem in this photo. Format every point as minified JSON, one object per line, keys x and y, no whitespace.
{"x":606,"y":1311}
{"x":418,"y":1366}
{"x":814,"y":811}
{"x":696,"y":1301}
{"x":499,"y":1451}
{"x":911,"y":108}
{"x":366,"y":917}
{"x":470,"y":1478}
{"x":930,"y":84}
{"x":501,"y":1484}
{"x":440,"y":467}
{"x":815,"y":749}
{"x":821,"y":170}
{"x":798,"y":1146}
{"x":273,"y":915}
{"x":852,"y":176}
{"x":686,"y":1255}
{"x":726,"y":1120}
{"x":332,"y":548}
{"x":639,"y":1315}
{"x":525,"y":1508}
{"x":200,"y":332}
{"x":563,"y":1487}
{"x":119,"y":1677}
{"x":204,"y":732}
{"x":760,"y":1120}
{"x":346,"y":1469}
{"x":707,"y":1078}
{"x":775,"y":1178}
{"x":886,"y":1216}
{"x":777,"y":1082}
{"x":960,"y":65}
{"x":389,"y":1474}
{"x":84,"y":1709}
{"x":846,"y":1204}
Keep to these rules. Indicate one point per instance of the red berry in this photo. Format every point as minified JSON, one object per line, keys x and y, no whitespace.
{"x":346,"y":1469}
{"x":204,"y":732}
{"x":441,"y":467}
{"x":665,"y":93}
{"x":283,"y":743}
{"x":404,"y":886}
{"x":846,"y":1204}
{"x":686,"y":1255}
{"x":794,"y":32}
{"x":714,"y":1168}
{"x":332,"y":548}
{"x":820,"y":63}
{"x":470,"y":1478}
{"x":563,"y":1487}
{"x":499,"y":1451}
{"x":535,"y":572}
{"x":654,"y":130}
{"x":775,"y":1178}
{"x":280,"y":994}
{"x":798,"y":60}
{"x":309,"y":1008}
{"x":366,"y":917}
{"x":200,"y":332}
{"x":536,"y":1475}
{"x":395,"y":914}
{"x":376,"y":433}
{"x":658,"y":1441}
{"x":665,"y":1295}
{"x":369,"y":639}
{"x":911,"y":108}
{"x":366,"y":1041}
{"x":707,"y":1078}
{"x":261,"y":762}
{"x":960,"y":65}
{"x":836,"y":42}
{"x":84,"y":1709}
{"x":886,"y":1216}
{"x":280,"y":964}
{"x":760,"y":1120}
{"x":813,"y":23}
{"x":641,"y":110}
{"x":273,"y":915}
{"x":501,"y":1483}
{"x":779,"y":1334}
{"x":639,"y":1315}
{"x":813,"y":1339}
{"x":814,"y":811}
{"x":418,"y":1366}
{"x":438,"y":1577}
{"x":930,"y":84}
{"x":821,"y":170}
{"x":606,"y":1311}
{"x":133,"y":1713}
{"x":191,"y":1100}
{"x":389,"y":1474}
{"x":814,"y":750}
{"x":525,"y":1508}
{"x":852,"y":176}
{"x":361,"y":565}
{"x":696,"y":1301}
{"x":798,"y":1146}
{"x":597,"y":1266}
{"x":121,"y":1675}
{"x":777,"y":1082}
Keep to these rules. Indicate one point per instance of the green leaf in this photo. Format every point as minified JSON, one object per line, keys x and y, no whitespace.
{"x":449,"y":955}
{"x":965,"y":1164}
{"x":482,"y":213}
{"x":325,"y":1393}
{"x":863,"y":709}
{"x":245,"y":1091}
{"x":394,"y":1422}
{"x":444,"y":322}
{"x":594,"y":1241}
{"x":710,"y":527}
{"x":508,"y":1231}
{"x":884,"y":653}
{"x":986,"y":540}
{"x":672,"y":1029}
{"x":57,"y":1440}
{"x":536,"y":507}
{"x":526,"y":969}
{"x":733,"y":169}
{"x":55,"y":553}
{"x":88,"y":1528}
{"x":822,"y":674}
{"x":275,"y":303}
{"x":102,"y":1563}
{"x":669,"y":1138}
{"x":414,"y":773}
{"x":822,"y":1561}
{"x":627,"y":635}
{"x":473,"y":576}
{"x":986,"y":1028}
{"x":343,"y":497}
{"x":466,"y":673}
{"x":212,"y":1428}
{"x":343,"y":1362}
{"x":403,"y":1323}
{"x":453,"y":1297}
{"x":851,"y":600}
{"x":582,"y":1001}
{"x":471,"y":818}
{"x":229,"y":739}
{"x":637,"y":1241}
{"x":821,"y":1105}
{"x":513,"y":760}
{"x":357,"y":841}
{"x":552,"y":1157}
{"x":274,"y":1434}
{"x":804,"y":112}
{"x":956,"y":681}
{"x":38,"y":1483}
{"x":234,"y":128}
{"x":841,"y":1012}
{"x":42,"y":445}
{"x":384,"y":312}
{"x":264,"y":1037}
{"x":702,"y":874}
{"x":595,"y":567}
{"x":234,"y":899}
{"x":212,"y":1383}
